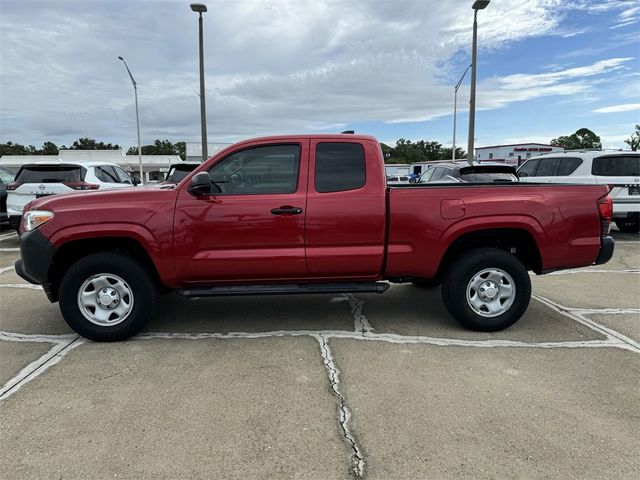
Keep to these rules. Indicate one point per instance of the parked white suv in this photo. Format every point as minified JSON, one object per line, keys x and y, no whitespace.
{"x":620,"y":170}
{"x":37,"y":180}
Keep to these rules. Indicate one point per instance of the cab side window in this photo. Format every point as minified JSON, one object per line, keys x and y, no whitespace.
{"x":568,"y":166}
{"x":339,"y":167}
{"x":106,"y":174}
{"x":269,"y":169}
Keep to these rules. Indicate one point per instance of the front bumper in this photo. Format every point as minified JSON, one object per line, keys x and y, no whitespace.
{"x":36,"y":254}
{"x":607,"y":245}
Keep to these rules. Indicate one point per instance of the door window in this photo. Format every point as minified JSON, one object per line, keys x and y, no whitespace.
{"x":528,"y":169}
{"x":106,"y":174}
{"x":339,"y":167}
{"x":260,"y":170}
{"x":547,"y":167}
{"x":617,"y":166}
{"x":568,"y":165}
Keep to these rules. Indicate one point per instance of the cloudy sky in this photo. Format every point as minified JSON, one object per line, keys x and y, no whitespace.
{"x":382,"y":67}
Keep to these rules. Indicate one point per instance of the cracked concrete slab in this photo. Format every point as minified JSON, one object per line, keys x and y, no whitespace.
{"x":29,"y":311}
{"x":431,"y":412}
{"x":582,"y":290}
{"x":628,"y":325}
{"x":252,"y":314}
{"x":230,"y":409}
{"x":14,"y":356}
{"x":409,"y":310}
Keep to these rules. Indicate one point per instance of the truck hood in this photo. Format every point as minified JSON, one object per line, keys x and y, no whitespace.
{"x":84,"y":200}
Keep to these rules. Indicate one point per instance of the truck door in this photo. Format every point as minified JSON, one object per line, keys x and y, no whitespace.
{"x":251,"y":226}
{"x":346,"y":205}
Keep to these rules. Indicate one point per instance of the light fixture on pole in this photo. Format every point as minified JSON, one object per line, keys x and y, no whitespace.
{"x":455,"y":108}
{"x":477,"y":5}
{"x":200,"y":9}
{"x":135,"y":91}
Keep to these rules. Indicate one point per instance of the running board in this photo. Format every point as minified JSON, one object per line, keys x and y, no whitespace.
{"x":284,"y":289}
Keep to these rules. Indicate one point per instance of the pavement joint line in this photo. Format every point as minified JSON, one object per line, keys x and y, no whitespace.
{"x":39,"y":366}
{"x":344,"y":414}
{"x":20,"y":285}
{"x":36,"y":337}
{"x":578,"y":315}
{"x":10,"y":249}
{"x":360,"y":321}
{"x":6,"y":269}
{"x":587,"y":270}
{"x":8,"y":236}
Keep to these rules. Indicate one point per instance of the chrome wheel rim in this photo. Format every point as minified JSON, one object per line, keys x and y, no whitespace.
{"x":491,"y":292}
{"x":105,"y":299}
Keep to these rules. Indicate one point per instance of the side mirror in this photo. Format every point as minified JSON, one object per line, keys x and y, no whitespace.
{"x":200,"y":184}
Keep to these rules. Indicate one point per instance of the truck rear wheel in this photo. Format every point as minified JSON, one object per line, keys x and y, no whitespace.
{"x":107,"y":296}
{"x":486,"y":289}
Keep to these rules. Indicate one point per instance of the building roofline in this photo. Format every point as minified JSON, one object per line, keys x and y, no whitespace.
{"x":516,"y":144}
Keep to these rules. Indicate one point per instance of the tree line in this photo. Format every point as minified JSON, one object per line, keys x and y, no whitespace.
{"x":158,"y":147}
{"x":404,"y":151}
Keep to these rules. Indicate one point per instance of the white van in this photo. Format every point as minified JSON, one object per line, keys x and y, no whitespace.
{"x":618,"y":169}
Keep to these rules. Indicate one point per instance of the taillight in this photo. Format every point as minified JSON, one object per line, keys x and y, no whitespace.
{"x":82,"y":185}
{"x":605,"y":207}
{"x":13,"y":186}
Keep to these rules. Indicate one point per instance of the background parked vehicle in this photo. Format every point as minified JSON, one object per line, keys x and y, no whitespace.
{"x":178,"y":171}
{"x":464,"y":173}
{"x":6,"y":177}
{"x":397,"y":179}
{"x":39,"y":180}
{"x":619,"y":170}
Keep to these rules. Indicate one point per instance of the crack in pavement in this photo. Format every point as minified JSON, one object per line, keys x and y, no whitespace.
{"x":360,"y":321}
{"x":344,"y":415}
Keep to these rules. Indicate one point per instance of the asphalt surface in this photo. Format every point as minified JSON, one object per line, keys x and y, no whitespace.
{"x":324,"y":387}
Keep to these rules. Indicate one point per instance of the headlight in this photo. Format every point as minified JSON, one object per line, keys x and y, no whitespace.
{"x":34,"y":218}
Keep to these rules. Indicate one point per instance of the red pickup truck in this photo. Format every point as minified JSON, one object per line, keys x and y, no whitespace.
{"x":305,"y":214}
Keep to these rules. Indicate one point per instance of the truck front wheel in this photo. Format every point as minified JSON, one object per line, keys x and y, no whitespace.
{"x":486,"y":289}
{"x":107,"y":296}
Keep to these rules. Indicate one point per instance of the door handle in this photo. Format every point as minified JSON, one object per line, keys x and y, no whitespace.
{"x":286,"y":210}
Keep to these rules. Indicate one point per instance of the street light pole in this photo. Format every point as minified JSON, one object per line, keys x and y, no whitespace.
{"x":200,"y":9}
{"x":135,"y":92}
{"x":477,"y":5}
{"x":455,"y":108}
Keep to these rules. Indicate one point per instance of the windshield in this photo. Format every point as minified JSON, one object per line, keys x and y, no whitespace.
{"x":489,"y":177}
{"x":50,"y":174}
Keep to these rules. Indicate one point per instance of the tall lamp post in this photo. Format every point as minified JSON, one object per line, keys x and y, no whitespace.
{"x":135,"y":91}
{"x":200,"y":9}
{"x":455,"y":108}
{"x":477,"y":5}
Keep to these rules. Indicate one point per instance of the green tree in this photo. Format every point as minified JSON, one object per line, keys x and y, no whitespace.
{"x":86,"y":143}
{"x":160,"y":147}
{"x":48,"y":148}
{"x":634,"y":140}
{"x":582,"y":139}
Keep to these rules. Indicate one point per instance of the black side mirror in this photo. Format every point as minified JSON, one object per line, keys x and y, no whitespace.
{"x":200,"y":184}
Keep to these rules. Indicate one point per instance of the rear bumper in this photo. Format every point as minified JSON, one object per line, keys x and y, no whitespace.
{"x":36,"y":253}
{"x":607,"y":246}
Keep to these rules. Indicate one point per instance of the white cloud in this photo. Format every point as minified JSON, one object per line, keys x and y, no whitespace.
{"x":626,"y":107}
{"x":272,"y":66}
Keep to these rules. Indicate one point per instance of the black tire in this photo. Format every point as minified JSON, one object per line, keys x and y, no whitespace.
{"x":629,"y":224}
{"x":143,"y":289}
{"x":465,"y":268}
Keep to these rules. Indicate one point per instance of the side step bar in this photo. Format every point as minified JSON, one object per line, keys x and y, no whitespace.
{"x":284,"y":289}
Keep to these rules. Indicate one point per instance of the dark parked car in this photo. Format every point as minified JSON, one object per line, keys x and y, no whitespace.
{"x":464,"y":173}
{"x":178,"y":171}
{"x":6,"y":176}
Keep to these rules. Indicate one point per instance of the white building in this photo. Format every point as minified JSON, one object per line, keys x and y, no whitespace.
{"x":513,"y":154}
{"x":194,"y":150}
